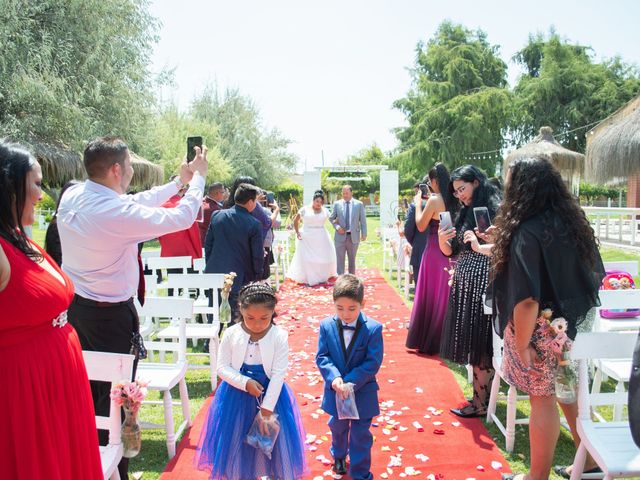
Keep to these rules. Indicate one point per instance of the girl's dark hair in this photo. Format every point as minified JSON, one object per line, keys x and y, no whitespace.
{"x":318,"y":194}
{"x":15,"y":164}
{"x":236,"y":183}
{"x":486,"y":194}
{"x":257,"y":294}
{"x":440,"y":173}
{"x":535,"y":187}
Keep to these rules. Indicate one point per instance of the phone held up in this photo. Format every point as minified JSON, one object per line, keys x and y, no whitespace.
{"x":270,"y":198}
{"x":424,"y":190}
{"x":191,"y":143}
{"x":483,"y":220}
{"x":446,"y":223}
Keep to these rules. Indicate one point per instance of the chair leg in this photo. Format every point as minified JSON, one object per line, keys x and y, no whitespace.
{"x":469,"y":374}
{"x":578,"y":462}
{"x":512,"y":398}
{"x":184,"y":400}
{"x":213,"y":361}
{"x":168,"y":424}
{"x":617,"y":408}
{"x":597,"y":381}
{"x":493,"y":397}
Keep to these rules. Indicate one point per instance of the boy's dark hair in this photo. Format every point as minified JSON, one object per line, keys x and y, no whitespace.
{"x":348,"y":286}
{"x":103,"y":152}
{"x":245,"y":192}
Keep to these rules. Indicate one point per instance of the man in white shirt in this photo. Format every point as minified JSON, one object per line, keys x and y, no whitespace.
{"x":100,"y":228}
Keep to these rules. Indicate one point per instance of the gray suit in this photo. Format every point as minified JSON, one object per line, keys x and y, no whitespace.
{"x":347,"y":243}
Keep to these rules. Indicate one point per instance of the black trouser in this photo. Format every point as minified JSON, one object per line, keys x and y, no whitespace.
{"x":104,"y":329}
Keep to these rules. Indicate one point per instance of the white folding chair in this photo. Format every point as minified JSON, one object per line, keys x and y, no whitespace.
{"x":161,"y":264}
{"x":199,"y":264}
{"x":199,"y":331}
{"x":282,"y":238}
{"x":109,"y":367}
{"x":609,"y":444}
{"x":163,"y":376}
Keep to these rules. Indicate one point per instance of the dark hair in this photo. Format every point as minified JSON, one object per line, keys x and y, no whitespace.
{"x":215,"y":186}
{"x":245,"y":192}
{"x":318,"y":194}
{"x":15,"y":164}
{"x":348,"y":286}
{"x":536,"y":188}
{"x":236,"y":183}
{"x":257,"y":294}
{"x":102,"y":153}
{"x":484,"y":195}
{"x":440,"y":173}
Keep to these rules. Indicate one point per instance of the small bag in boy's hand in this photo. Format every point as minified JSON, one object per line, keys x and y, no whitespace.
{"x":263,"y":433}
{"x":346,"y":406}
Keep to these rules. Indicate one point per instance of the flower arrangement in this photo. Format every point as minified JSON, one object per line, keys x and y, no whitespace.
{"x":129,"y":395}
{"x":560,"y":344}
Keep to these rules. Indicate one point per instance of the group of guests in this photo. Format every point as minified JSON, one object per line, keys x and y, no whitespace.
{"x":540,"y":254}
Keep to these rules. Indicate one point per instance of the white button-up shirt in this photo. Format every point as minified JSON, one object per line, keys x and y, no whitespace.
{"x":348,"y":334}
{"x":100,"y":231}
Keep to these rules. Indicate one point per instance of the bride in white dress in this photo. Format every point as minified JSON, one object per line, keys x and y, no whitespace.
{"x":314,"y":261}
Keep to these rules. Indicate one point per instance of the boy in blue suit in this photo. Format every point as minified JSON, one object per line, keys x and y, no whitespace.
{"x":350,"y":350}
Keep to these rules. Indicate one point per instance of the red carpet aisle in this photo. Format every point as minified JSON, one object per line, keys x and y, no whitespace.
{"x":415,"y":434}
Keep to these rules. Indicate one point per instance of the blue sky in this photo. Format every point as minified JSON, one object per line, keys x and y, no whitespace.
{"x":326,"y":73}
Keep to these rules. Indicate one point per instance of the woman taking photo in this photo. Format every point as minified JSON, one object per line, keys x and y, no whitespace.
{"x":467,"y":334}
{"x":546,"y":265}
{"x":432,"y":285}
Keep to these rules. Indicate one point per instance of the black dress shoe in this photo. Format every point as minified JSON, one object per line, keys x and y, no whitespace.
{"x":562,"y":471}
{"x":468,"y":411}
{"x":340,"y":466}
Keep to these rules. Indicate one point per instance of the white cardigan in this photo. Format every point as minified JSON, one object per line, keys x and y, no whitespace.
{"x":274,"y":350}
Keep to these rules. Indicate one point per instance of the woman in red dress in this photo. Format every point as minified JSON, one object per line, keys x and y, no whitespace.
{"x":48,"y":427}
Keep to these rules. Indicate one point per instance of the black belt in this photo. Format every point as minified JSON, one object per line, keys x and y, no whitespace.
{"x":348,"y":233}
{"x":93,"y":303}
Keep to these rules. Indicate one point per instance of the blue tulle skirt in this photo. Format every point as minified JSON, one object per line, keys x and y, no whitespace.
{"x":222,"y":446}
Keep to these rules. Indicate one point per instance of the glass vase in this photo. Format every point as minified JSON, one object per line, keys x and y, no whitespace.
{"x":565,"y":380}
{"x":131,"y":434}
{"x":225,"y":309}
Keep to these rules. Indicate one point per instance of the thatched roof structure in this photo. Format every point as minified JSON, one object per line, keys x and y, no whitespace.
{"x":145,"y":173}
{"x":569,"y":163}
{"x":613,"y":146}
{"x":59,"y":163}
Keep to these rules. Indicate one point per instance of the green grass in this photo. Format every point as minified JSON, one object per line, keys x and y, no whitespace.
{"x":153,"y":457}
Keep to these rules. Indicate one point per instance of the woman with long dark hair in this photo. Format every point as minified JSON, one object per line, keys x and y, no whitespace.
{"x":47,"y":402}
{"x":52,"y":237}
{"x":432,"y":287}
{"x":466,"y":334}
{"x":546,"y":265}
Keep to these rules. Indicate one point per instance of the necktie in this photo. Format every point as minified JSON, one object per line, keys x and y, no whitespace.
{"x":348,"y":215}
{"x":141,"y":285}
{"x":348,"y":327}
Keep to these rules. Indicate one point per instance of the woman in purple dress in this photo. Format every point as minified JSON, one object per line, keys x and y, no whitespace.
{"x":432,"y":286}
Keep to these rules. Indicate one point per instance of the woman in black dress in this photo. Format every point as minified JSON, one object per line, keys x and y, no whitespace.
{"x":545,"y":260}
{"x":467,"y":331}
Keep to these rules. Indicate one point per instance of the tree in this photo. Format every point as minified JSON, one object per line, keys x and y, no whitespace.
{"x":563,"y":87}
{"x":73,"y":69}
{"x":458,"y":103}
{"x":248,"y":148}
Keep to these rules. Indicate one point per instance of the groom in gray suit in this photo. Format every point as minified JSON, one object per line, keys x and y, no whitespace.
{"x":350,"y":222}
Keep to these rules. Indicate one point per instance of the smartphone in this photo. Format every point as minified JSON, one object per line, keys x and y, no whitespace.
{"x":483,"y":221}
{"x":405,"y":203}
{"x":270,"y":198}
{"x":445,"y":221}
{"x":424,"y":189}
{"x":192,"y":142}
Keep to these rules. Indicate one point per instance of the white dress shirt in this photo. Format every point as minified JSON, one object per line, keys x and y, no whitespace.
{"x":348,"y":334}
{"x":100,"y":231}
{"x":274,"y":352}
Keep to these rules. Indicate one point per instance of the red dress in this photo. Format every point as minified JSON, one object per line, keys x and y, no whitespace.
{"x":48,"y":427}
{"x":183,"y":242}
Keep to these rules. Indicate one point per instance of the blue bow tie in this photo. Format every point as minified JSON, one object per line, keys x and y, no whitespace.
{"x":348,"y":327}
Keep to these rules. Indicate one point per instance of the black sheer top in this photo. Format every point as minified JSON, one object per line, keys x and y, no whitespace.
{"x":545,"y":265}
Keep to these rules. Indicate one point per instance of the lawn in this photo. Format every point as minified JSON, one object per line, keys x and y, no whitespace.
{"x":153,"y":457}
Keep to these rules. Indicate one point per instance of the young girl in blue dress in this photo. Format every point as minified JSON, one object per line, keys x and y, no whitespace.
{"x":252,"y":362}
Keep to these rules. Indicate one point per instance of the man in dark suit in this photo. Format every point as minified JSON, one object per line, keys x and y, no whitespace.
{"x":416,"y":238}
{"x":211,"y":203}
{"x":234,"y":243}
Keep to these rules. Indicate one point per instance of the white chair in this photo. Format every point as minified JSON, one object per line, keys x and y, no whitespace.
{"x":388,"y":235}
{"x":609,"y":444}
{"x":109,"y":367}
{"x":163,"y":376}
{"x":199,"y":331}
{"x":199,"y":264}
{"x":280,"y":248}
{"x":163,"y":263}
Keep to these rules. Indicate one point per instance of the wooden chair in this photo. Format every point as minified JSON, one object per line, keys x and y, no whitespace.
{"x":199,"y":331}
{"x":109,"y":367}
{"x":163,"y":376}
{"x":609,"y":444}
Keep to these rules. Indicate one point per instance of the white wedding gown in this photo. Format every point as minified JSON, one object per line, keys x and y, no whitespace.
{"x":314,"y":261}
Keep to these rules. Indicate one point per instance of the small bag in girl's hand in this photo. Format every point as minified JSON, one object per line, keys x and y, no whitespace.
{"x":263,"y":433}
{"x":347,"y":409}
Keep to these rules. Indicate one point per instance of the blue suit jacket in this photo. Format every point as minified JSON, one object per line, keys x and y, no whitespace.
{"x":358,"y":365}
{"x":234,"y":244}
{"x":417,"y":239}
